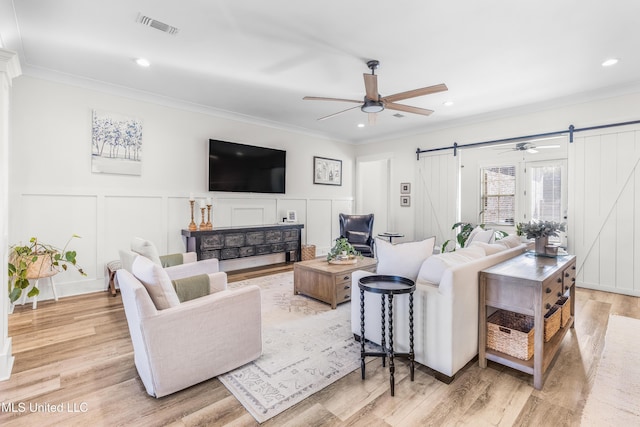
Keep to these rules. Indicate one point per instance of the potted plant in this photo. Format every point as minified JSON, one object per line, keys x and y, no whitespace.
{"x":540,"y":231}
{"x":342,"y":251}
{"x":34,"y":261}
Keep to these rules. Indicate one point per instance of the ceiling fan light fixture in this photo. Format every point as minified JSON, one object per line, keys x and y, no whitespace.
{"x":371,"y":106}
{"x":143,"y":62}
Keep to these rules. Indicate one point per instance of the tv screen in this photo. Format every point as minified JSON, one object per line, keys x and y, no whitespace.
{"x":245,"y":168}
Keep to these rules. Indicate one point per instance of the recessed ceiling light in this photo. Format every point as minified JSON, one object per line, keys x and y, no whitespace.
{"x":143,"y":62}
{"x":610,"y":62}
{"x":448,"y":103}
{"x":360,"y":125}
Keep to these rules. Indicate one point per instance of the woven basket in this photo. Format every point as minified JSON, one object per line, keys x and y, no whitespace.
{"x":308,"y":252}
{"x":41,"y":268}
{"x":565,"y":310}
{"x":511,"y":333}
{"x":552,"y":322}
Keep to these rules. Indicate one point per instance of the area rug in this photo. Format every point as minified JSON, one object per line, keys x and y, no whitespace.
{"x":303,"y":352}
{"x":615,"y":396}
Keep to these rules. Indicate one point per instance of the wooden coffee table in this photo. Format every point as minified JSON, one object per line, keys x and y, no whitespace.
{"x":330,"y":283}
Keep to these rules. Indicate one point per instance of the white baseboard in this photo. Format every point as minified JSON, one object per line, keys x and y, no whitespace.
{"x":67,"y":289}
{"x":6,"y":360}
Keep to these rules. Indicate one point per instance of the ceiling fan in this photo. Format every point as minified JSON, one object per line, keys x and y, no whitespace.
{"x":530,"y":147}
{"x":374,"y":103}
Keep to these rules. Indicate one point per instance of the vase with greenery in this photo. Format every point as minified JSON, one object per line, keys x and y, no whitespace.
{"x":540,"y":231}
{"x":36,"y":260}
{"x":342,"y":250}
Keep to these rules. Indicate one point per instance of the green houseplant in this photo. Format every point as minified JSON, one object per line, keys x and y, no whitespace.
{"x":342,"y":248}
{"x":35,"y":260}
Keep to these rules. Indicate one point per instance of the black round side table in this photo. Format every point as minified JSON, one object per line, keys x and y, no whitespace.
{"x":387,"y":286}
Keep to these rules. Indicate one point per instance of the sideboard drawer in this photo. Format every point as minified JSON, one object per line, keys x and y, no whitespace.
{"x":551,"y":291}
{"x":569,"y":277}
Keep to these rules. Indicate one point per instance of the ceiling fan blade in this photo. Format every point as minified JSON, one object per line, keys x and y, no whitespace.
{"x":408,"y":109}
{"x":371,"y":86}
{"x":416,"y":92}
{"x":320,"y":98}
{"x":372,"y":118}
{"x":545,"y":146}
{"x":339,"y":112}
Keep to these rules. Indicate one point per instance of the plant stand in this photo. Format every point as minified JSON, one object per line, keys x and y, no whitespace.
{"x":35,"y":284}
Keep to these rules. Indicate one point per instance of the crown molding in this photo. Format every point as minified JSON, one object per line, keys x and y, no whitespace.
{"x":165,"y":101}
{"x":9,"y":63}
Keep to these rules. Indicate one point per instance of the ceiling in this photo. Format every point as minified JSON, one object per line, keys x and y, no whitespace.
{"x":257,"y":59}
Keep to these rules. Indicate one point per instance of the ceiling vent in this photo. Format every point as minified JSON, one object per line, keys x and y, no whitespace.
{"x":150,"y":22}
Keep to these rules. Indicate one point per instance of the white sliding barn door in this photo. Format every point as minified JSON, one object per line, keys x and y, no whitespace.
{"x":604,"y":210}
{"x":437,"y":196}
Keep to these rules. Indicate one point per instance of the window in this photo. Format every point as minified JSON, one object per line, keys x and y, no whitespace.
{"x":498,"y":194}
{"x":545,"y":194}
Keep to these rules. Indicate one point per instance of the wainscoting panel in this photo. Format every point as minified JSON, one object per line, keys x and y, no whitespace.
{"x":436,"y":196}
{"x":178,"y":218}
{"x":230,"y":212}
{"x":54,"y":218}
{"x":338,"y":207}
{"x":319,"y":224}
{"x":129,"y":217}
{"x":604,"y":210}
{"x":107,"y":222}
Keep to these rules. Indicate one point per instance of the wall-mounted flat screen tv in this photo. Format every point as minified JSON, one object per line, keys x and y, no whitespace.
{"x":246,"y":168}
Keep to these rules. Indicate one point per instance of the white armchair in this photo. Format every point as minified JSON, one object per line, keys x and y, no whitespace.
{"x":177,"y":345}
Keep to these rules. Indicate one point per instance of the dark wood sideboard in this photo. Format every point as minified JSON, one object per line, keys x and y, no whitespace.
{"x":239,"y":242}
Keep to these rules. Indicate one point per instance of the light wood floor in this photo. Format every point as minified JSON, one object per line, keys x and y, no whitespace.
{"x":77,"y":352}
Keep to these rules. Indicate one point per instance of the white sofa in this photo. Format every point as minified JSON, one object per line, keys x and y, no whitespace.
{"x":445,"y":305}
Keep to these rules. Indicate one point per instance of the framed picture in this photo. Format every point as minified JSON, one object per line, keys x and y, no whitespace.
{"x":405,"y":188}
{"x":116,"y":143}
{"x":292,"y":216}
{"x":405,"y":201}
{"x":327,"y":171}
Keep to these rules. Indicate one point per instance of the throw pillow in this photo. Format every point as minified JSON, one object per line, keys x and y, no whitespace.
{"x":127,"y":258}
{"x":357,"y":237}
{"x":479,"y":234}
{"x":403,"y":259}
{"x":489,"y":248}
{"x":510,"y":241}
{"x":433,"y":268}
{"x":146,"y":249}
{"x":157,"y":283}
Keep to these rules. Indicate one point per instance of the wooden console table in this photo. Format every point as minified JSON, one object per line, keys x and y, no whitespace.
{"x":530,"y":285}
{"x":240,"y":242}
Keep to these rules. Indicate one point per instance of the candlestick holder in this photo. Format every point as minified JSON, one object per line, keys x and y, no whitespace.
{"x":192,"y":225}
{"x":209,"y":225}
{"x":203,"y":225}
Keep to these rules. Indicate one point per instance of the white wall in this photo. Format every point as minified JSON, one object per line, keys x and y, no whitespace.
{"x":54,"y":194}
{"x":418,"y":222}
